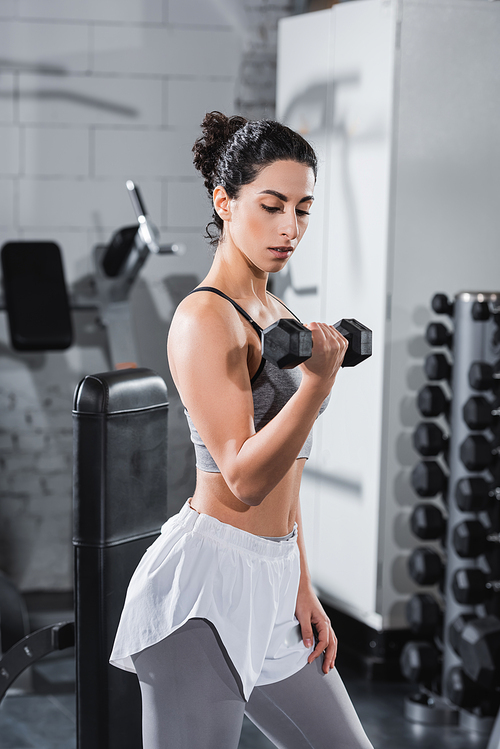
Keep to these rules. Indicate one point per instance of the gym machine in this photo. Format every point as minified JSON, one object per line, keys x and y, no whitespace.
{"x":120,"y":494}
{"x":456,"y":660}
{"x":39,"y":311}
{"x":38,"y":303}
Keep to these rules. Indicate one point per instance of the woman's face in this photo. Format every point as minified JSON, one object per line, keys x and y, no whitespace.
{"x":268,"y":219}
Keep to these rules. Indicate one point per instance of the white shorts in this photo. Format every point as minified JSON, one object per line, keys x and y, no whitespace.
{"x":245,"y":585}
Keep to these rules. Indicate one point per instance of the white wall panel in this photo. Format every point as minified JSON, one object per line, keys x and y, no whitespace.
{"x":89,"y":100}
{"x":55,"y":151}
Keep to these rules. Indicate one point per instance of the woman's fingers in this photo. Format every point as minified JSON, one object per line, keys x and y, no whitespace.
{"x":329,"y":347}
{"x":330,"y":652}
{"x":327,"y":644}
{"x":323,"y":635}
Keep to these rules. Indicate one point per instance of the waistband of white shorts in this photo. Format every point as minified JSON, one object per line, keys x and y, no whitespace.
{"x":224,"y":533}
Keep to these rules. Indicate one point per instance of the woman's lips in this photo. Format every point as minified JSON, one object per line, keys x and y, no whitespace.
{"x":281,"y":252}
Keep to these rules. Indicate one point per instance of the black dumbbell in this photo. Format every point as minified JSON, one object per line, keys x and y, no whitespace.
{"x":479,"y":649}
{"x":424,"y":614}
{"x":471,"y":586}
{"x":420,"y":662}
{"x":437,"y":367}
{"x":460,"y":689}
{"x":432,"y":402}
{"x":456,"y":628}
{"x":425,"y":566}
{"x":474,"y":494}
{"x":287,"y":343}
{"x":477,"y":452}
{"x":441,"y":305}
{"x":428,"y":479}
{"x":427,"y":522}
{"x":480,"y":311}
{"x":429,"y":439}
{"x":471,"y":539}
{"x":438,"y":334}
{"x":467,"y":694}
{"x":479,"y":414}
{"x":483,"y":376}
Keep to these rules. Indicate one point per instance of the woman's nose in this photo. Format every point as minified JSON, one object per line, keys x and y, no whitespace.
{"x":289,"y":228}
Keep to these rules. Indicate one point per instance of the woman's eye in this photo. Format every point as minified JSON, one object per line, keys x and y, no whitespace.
{"x":270,"y":208}
{"x":302,"y":213}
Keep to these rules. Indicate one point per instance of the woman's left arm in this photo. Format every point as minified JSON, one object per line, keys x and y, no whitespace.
{"x":309,"y":611}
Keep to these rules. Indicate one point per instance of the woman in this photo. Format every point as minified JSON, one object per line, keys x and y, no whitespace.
{"x":221,"y":618}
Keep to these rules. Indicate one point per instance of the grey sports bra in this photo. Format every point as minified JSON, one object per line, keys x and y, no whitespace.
{"x":271,"y":389}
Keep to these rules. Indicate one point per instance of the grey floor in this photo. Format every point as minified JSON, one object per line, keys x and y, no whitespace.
{"x":48,"y":721}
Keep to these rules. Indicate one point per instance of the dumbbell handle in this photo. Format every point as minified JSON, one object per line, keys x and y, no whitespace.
{"x":340,"y":326}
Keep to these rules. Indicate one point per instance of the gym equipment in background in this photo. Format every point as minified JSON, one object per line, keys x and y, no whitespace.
{"x":389,"y":229}
{"x":120,"y":503}
{"x":37,"y":301}
{"x":36,"y":298}
{"x":456,"y":661}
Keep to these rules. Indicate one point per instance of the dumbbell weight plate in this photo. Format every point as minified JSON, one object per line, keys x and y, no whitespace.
{"x":427,"y":522}
{"x":472,"y":494}
{"x":360,"y":341}
{"x":480,"y":651}
{"x":286,"y":343}
{"x":476,"y":452}
{"x":428,"y":479}
{"x":432,"y":401}
{"x":425,"y":566}
{"x":424,"y":615}
{"x":419,"y":661}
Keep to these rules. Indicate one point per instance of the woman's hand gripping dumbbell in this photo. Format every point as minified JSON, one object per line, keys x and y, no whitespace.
{"x":287,"y":343}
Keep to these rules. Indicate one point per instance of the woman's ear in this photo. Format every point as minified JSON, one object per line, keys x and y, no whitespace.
{"x":222,"y":203}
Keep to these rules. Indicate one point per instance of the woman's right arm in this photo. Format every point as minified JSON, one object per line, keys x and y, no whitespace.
{"x":208,"y":357}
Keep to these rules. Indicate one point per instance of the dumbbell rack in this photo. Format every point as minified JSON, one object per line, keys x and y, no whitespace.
{"x":470,"y":491}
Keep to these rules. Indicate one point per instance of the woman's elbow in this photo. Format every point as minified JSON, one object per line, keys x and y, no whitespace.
{"x":247,"y":491}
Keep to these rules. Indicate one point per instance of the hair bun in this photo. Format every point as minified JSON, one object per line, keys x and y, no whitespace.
{"x":217,"y":130}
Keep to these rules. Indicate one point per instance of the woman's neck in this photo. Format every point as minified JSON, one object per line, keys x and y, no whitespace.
{"x":233,"y":273}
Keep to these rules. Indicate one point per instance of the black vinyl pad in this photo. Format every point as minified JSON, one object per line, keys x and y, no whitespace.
{"x":36,"y":297}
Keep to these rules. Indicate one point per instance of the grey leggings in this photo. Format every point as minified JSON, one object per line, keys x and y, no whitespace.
{"x":192,"y":699}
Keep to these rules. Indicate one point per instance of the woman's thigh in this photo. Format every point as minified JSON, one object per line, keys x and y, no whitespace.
{"x":309,"y":710}
{"x":191,"y":698}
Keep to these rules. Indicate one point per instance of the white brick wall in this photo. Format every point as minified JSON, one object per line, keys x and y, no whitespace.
{"x":93,"y":92}
{"x":55,"y":152}
{"x":118,"y":11}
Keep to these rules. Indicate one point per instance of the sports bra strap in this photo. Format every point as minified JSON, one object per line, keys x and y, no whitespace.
{"x":245,"y":314}
{"x":284,"y":305}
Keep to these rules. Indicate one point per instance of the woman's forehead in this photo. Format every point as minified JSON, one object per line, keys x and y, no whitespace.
{"x":289,"y":178}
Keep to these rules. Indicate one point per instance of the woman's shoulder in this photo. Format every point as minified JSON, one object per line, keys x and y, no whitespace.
{"x":206,"y":313}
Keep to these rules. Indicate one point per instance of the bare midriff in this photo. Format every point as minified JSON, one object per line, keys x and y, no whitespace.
{"x":274,"y":516}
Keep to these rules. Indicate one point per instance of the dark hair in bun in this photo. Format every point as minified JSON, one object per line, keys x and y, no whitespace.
{"x":232,"y":151}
